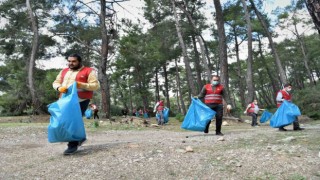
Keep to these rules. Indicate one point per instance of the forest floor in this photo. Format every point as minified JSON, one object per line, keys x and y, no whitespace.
{"x":132,"y":151}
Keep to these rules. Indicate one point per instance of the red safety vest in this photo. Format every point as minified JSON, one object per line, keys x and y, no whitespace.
{"x":213,"y":96}
{"x":82,"y":76}
{"x":285,"y":95}
{"x":251,"y":109}
{"x":160,"y":106}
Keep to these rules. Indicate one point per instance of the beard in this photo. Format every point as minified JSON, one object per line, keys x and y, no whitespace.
{"x":75,"y":67}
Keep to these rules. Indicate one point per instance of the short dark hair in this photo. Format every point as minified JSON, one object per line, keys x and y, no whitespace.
{"x":287,"y":85}
{"x":76,"y":56}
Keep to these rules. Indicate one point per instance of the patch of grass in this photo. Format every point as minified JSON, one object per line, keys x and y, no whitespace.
{"x":296,"y":176}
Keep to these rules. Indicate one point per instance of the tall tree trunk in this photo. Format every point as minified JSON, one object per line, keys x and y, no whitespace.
{"x":239,"y":73}
{"x":270,"y":74}
{"x":305,"y":55}
{"x":223,"y":58}
{"x":31,"y":64}
{"x":191,"y":85}
{"x":203,"y":54}
{"x":157,"y":95}
{"x":102,"y":69}
{"x":281,"y":72}
{"x":313,"y":7}
{"x":166,"y":85}
{"x":183,"y":107}
{"x":197,"y":62}
{"x":249,"y":79}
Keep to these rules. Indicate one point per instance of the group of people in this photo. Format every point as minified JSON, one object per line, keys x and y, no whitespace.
{"x":284,"y":94}
{"x":211,"y":94}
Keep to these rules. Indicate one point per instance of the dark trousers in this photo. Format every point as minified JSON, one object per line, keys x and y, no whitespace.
{"x":95,"y":114}
{"x":218,"y":108}
{"x":83,"y":106}
{"x":254,"y":119}
{"x":296,"y":124}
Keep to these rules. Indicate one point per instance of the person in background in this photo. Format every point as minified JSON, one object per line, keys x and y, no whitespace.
{"x":252,"y":110}
{"x":212,"y":95}
{"x":87,"y":82}
{"x":285,"y":94}
{"x":95,"y":111}
{"x":124,"y":112}
{"x":158,"y":108}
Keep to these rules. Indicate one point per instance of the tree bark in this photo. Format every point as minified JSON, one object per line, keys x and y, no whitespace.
{"x":166,"y":85}
{"x":102,"y":69}
{"x":31,"y":63}
{"x":281,"y":72}
{"x":313,"y":7}
{"x":249,"y":79}
{"x":305,"y":55}
{"x":223,"y":58}
{"x":191,"y":85}
{"x":197,"y":62}
{"x":183,"y":107}
{"x":201,"y":44}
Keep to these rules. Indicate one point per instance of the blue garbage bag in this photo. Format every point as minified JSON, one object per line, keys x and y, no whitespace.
{"x":198,"y":116}
{"x":286,"y":114}
{"x":266,"y":115}
{"x":166,"y":115}
{"x":145,"y":115}
{"x":66,"y":122}
{"x":157,"y":116}
{"x":88,"y":113}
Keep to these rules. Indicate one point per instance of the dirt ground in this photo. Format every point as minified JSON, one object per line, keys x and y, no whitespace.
{"x":130,"y":151}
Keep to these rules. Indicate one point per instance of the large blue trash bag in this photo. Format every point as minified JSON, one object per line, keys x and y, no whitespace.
{"x":66,"y":122}
{"x":166,"y":115}
{"x":285,"y":115}
{"x":266,"y":115}
{"x":88,"y":113}
{"x":198,"y":116}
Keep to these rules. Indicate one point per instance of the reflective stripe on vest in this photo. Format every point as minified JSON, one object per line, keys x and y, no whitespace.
{"x":82,"y":76}
{"x":213,"y":96}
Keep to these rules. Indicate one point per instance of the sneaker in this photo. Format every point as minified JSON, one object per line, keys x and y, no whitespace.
{"x":282,"y":129}
{"x":219,"y":134}
{"x":70,"y":150}
{"x":80,"y":143}
{"x":298,"y":129}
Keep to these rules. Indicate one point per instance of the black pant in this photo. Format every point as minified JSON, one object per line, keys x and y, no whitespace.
{"x":218,"y":108}
{"x":254,"y":119}
{"x":296,"y":124}
{"x":95,"y":114}
{"x":83,"y":106}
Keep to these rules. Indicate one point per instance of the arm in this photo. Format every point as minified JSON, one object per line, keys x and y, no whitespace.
{"x":245,"y":111}
{"x":155,"y":107}
{"x":92,"y":84}
{"x":57,"y":82}
{"x":279,"y":97}
{"x":202,"y":93}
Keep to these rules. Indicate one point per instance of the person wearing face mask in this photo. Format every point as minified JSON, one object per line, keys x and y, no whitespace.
{"x":252,"y":110}
{"x":87,"y":82}
{"x":212,"y":95}
{"x":282,"y":95}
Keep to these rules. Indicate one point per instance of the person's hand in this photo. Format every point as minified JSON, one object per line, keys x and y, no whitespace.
{"x":62,"y":89}
{"x":245,"y":112}
{"x":80,"y":85}
{"x":229,"y":107}
{"x":195,"y":97}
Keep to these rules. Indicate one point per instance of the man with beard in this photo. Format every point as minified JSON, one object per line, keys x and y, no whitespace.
{"x":87,"y":82}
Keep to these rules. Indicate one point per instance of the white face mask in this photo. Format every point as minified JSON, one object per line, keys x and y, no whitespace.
{"x":214,"y":83}
{"x":289,"y":89}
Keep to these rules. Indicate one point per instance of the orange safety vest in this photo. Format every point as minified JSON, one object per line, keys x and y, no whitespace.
{"x":251,"y":109}
{"x":213,"y":96}
{"x":82,"y":76}
{"x":285,"y":95}
{"x":160,"y":106}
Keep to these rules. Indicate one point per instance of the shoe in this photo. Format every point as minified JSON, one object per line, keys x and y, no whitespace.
{"x":219,"y":134}
{"x":70,"y":150}
{"x":298,"y":129}
{"x":282,"y":129}
{"x":80,"y":143}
